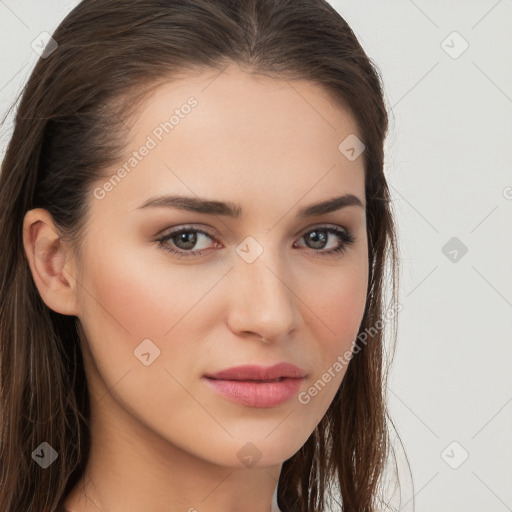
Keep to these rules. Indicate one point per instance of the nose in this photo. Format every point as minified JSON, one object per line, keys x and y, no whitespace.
{"x":263,"y":303}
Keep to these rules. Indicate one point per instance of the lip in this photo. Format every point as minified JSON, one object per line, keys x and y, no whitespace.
{"x":256,"y":372}
{"x":249,"y":384}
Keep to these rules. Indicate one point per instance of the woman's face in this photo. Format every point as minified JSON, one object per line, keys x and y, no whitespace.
{"x":156,"y":323}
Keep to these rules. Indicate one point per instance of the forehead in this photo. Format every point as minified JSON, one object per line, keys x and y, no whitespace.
{"x":242,"y":137}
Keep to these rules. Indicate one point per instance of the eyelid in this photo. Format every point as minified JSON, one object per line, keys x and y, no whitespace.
{"x":182,"y":227}
{"x":321,"y":225}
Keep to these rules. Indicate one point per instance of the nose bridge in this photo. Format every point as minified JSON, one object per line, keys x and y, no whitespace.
{"x":263,"y":302}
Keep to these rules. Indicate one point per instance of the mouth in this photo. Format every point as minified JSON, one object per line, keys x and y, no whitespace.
{"x":259,"y":387}
{"x":256,"y":373}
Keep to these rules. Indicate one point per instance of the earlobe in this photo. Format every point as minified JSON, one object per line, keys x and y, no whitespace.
{"x":48,"y":260}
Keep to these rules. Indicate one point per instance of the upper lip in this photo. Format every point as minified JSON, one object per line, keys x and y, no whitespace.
{"x":255,"y":372}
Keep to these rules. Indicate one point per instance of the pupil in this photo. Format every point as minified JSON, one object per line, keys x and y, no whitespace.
{"x":192,"y":239}
{"x":318,"y":236}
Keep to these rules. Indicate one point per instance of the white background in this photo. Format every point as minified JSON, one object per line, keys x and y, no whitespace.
{"x":448,"y":162}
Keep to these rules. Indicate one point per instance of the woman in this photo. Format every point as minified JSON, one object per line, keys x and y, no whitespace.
{"x":196,"y":224}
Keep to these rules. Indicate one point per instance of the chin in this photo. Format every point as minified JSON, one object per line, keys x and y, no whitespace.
{"x":260,"y":450}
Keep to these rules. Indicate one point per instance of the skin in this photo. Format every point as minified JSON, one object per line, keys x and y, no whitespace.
{"x":162,"y":440}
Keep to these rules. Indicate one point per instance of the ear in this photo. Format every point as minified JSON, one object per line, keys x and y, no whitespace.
{"x":50,"y":262}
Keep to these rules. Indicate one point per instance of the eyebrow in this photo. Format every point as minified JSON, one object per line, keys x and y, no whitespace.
{"x":229,"y":209}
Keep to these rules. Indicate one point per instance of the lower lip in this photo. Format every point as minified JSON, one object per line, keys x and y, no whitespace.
{"x":256,"y":394}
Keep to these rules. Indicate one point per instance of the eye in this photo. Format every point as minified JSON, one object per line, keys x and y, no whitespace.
{"x":186,"y":238}
{"x":319,"y":238}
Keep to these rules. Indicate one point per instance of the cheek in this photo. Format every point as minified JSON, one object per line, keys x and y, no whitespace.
{"x":340,"y":305}
{"x":337,"y":311}
{"x":131,"y":299}
{"x":138,"y":298}
{"x":125,"y":301}
{"x":128,"y":302}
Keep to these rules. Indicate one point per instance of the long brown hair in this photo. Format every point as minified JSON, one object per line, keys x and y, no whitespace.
{"x":70,"y":125}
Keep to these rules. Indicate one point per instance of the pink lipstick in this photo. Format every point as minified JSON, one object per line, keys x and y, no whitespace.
{"x":257,"y":386}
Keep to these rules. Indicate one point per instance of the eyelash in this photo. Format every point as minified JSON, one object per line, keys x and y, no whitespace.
{"x":346,"y":236}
